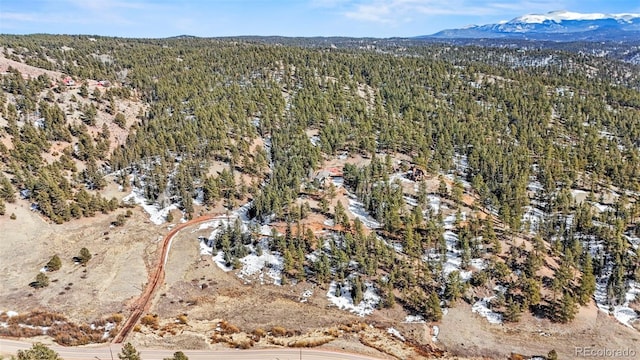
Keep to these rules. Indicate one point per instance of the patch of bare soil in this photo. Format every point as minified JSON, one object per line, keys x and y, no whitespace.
{"x":27,"y":70}
{"x":466,"y":334}
{"x":114,"y":275}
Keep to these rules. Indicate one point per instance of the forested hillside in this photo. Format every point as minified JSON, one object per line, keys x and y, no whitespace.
{"x":507,"y":178}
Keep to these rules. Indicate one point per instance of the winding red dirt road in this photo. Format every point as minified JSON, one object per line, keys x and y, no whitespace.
{"x":142,"y":304}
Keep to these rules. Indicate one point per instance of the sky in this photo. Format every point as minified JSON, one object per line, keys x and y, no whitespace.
{"x":212,"y":18}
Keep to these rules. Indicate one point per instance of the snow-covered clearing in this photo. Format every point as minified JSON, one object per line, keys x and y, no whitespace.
{"x":481,"y":307}
{"x":257,"y":262}
{"x":157,"y":215}
{"x":623,"y":313}
{"x":356,"y":207}
{"x":253,"y":264}
{"x":461,"y":163}
{"x":602,"y":207}
{"x":401,"y":176}
{"x":434,"y":203}
{"x":453,"y":258}
{"x":534,"y":217}
{"x":358,"y":210}
{"x":344,"y":301}
{"x":220,"y":261}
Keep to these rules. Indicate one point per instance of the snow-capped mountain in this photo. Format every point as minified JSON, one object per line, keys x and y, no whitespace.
{"x":556,"y":26}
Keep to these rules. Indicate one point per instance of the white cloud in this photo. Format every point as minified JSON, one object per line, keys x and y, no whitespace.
{"x":14,"y":16}
{"x":329,"y":3}
{"x":102,"y":5}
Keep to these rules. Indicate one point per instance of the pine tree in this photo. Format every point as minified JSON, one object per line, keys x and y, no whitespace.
{"x":434,"y":311}
{"x":356,"y":290}
{"x":454,"y":286}
{"x":587,"y":281}
{"x":566,"y":308}
{"x":513,"y":311}
{"x":38,"y":351}
{"x":129,"y":352}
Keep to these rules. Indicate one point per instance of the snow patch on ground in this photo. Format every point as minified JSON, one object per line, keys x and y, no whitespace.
{"x":358,"y":210}
{"x":461,"y":163}
{"x":623,"y":313}
{"x":370,"y":299}
{"x":434,"y":203}
{"x":315,"y":140}
{"x":306,"y":295}
{"x":578,"y":192}
{"x":253,"y":264}
{"x":399,"y":176}
{"x":481,"y":307}
{"x":338,"y":181}
{"x":435,"y":331}
{"x":534,"y":217}
{"x":219,"y":260}
{"x":602,"y":208}
{"x":535,"y":186}
{"x":633,"y":240}
{"x":410,"y":200}
{"x":414,"y":319}
{"x":479,"y":264}
{"x":396,"y":333}
{"x":157,"y":215}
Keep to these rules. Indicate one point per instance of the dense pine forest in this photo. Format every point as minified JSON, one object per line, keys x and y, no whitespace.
{"x":533,"y":157}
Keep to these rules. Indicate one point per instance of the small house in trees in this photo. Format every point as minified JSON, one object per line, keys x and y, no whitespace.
{"x":323,"y":178}
{"x":68,"y":81}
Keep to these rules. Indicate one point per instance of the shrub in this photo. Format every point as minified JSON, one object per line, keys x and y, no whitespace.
{"x":278,"y":331}
{"x":84,"y":256}
{"x":178,"y":355}
{"x":182,"y":319}
{"x":120,"y":220}
{"x":259,"y":333}
{"x":228,"y":328}
{"x":115,"y":318}
{"x":54,"y":264}
{"x":42,"y":281}
{"x":311,"y":341}
{"x":150,"y":321}
{"x":120,"y":120}
{"x":240,"y":342}
{"x":333,"y":331}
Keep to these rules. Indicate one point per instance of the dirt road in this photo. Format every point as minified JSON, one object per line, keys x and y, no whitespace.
{"x":156,"y":279}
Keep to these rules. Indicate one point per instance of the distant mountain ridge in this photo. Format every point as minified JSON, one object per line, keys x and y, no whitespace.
{"x":554,"y":26}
